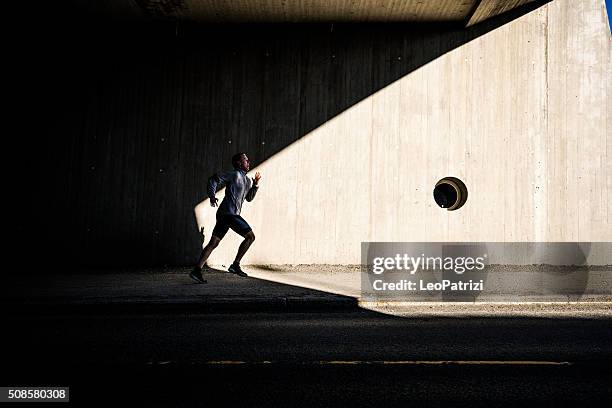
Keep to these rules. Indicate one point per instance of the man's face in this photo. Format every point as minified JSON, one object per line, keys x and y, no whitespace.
{"x":244,"y":163}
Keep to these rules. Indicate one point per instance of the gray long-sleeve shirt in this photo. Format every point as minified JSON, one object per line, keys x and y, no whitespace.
{"x":238,"y":187}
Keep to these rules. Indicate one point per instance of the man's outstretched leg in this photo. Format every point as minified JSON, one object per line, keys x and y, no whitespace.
{"x":196,"y":273}
{"x":249,"y":237}
{"x":212,"y":244}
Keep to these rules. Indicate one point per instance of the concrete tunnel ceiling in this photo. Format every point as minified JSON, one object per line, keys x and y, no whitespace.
{"x":466,"y":12}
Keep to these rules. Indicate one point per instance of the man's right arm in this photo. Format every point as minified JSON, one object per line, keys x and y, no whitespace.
{"x":211,"y":189}
{"x":218,"y":179}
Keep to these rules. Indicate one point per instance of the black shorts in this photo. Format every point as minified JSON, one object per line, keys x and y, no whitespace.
{"x":227,"y":221}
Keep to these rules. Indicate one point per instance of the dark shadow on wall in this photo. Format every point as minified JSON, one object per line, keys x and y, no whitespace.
{"x":125,"y":121}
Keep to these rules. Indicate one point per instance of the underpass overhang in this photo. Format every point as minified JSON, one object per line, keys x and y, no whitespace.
{"x":460,"y":12}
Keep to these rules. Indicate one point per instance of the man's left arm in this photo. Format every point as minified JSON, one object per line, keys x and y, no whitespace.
{"x":253,"y":190}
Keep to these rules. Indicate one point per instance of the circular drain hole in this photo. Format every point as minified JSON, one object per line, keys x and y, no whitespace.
{"x":450,"y":193}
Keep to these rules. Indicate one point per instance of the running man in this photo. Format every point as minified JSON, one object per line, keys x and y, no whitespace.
{"x":238,"y":187}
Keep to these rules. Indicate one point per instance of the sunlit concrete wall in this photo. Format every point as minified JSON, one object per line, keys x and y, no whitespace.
{"x":522,"y":115}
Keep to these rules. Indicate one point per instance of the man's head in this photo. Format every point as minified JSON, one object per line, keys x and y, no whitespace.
{"x":240,"y":161}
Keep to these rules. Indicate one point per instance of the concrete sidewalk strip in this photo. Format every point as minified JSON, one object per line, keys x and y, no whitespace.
{"x":597,"y":309}
{"x":152,"y":305}
{"x":161,"y":289}
{"x":268,"y":288}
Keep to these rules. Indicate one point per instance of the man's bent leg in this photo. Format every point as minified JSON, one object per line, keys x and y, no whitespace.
{"x":249,"y":237}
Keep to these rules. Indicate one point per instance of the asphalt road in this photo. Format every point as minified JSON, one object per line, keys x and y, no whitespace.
{"x":321,"y":359}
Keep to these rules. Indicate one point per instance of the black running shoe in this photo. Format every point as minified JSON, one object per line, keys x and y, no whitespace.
{"x":236,"y":269}
{"x":196,"y":275}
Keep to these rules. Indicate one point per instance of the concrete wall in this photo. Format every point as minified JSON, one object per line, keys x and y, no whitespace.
{"x":350,"y":126}
{"x":522,"y":115}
